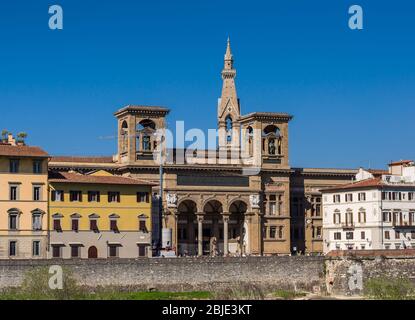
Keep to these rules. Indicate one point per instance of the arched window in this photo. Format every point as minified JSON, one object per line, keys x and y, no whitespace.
{"x":228,"y":124}
{"x":250,"y":140}
{"x":145,"y":132}
{"x":124,"y":136}
{"x":271,"y":140}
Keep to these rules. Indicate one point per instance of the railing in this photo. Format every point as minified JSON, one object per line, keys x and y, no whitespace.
{"x":348,"y":225}
{"x":403,"y":224}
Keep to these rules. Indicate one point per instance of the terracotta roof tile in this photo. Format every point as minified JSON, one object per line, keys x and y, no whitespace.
{"x":22,"y":151}
{"x":70,"y":177}
{"x":82,"y":159}
{"x":376,"y":182}
{"x":397,"y":163}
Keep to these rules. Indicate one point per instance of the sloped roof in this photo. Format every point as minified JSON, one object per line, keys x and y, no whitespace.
{"x":368,"y":183}
{"x":82,"y":159}
{"x":22,"y":151}
{"x":70,"y":177}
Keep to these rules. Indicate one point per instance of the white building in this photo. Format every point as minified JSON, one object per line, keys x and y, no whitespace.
{"x":376,"y":211}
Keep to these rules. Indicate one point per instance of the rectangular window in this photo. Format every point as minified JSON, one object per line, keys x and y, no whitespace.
{"x":349,"y":235}
{"x":143,"y":197}
{"x":273,"y":232}
{"x":37,"y":222}
{"x":57,"y":225}
{"x":272,"y":208}
{"x":362,"y":235}
{"x":14,"y":193}
{"x":141,"y":250}
{"x":318,"y":233}
{"x":94,"y":196}
{"x":57,"y":196}
{"x":75,"y":196}
{"x":75,"y":225}
{"x":37,"y":192}
{"x":349,"y":197}
{"x":93,"y":225}
{"x":12,"y":248}
{"x":113,"y":196}
{"x":411,"y":196}
{"x":113,"y":251}
{"x":14,"y":166}
{"x":336,"y":198}
{"x":37,"y":166}
{"x":13,"y":221}
{"x":362,"y":196}
{"x":36,"y":248}
{"x":113,"y":225}
{"x":387,"y":235}
{"x":74,"y":251}
{"x":143,"y":227}
{"x":56,"y":251}
{"x":387,"y":216}
{"x":337,"y":236}
{"x":397,"y":235}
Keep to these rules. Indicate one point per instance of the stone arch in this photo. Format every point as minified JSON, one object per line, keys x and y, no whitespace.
{"x":272,"y":140}
{"x":238,"y":228}
{"x":237,"y":203}
{"x":187,"y":227}
{"x":212,"y":205}
{"x":187,"y":200}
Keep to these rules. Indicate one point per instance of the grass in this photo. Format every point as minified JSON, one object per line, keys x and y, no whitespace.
{"x":113,"y":295}
{"x":194,"y":295}
{"x":383,"y":288}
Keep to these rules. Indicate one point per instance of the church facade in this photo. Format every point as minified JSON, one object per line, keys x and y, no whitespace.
{"x":242,"y":198}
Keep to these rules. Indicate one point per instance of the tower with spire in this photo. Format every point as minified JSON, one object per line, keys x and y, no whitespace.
{"x":229,"y":110}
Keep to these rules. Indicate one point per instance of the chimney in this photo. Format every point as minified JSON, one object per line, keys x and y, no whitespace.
{"x":11,"y":140}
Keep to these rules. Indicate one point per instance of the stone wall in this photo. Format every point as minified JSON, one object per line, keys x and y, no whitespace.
{"x":182,"y":273}
{"x":339,"y":275}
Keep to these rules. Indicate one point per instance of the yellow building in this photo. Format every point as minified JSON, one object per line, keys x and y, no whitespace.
{"x":99,"y":215}
{"x":23,"y":201}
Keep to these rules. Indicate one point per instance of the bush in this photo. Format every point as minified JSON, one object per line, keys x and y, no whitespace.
{"x":390,"y":289}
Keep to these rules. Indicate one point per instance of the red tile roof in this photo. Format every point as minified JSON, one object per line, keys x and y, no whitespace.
{"x":82,"y":159}
{"x":378,"y":172}
{"x":368,"y":183}
{"x":397,"y":163}
{"x":22,"y":151}
{"x":70,"y":177}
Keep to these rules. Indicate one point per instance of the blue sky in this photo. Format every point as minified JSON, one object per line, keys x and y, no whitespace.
{"x":351,"y":92}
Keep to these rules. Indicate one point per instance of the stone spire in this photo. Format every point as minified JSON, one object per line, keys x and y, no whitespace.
{"x":228,"y":104}
{"x":228,"y":55}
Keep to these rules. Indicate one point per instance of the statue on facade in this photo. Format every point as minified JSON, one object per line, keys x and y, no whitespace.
{"x":271,"y":146}
{"x":254,"y":200}
{"x":171,"y":199}
{"x":146,"y":143}
{"x":213,"y":246}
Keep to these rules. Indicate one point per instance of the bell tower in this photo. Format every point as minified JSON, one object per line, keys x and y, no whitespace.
{"x":229,"y":110}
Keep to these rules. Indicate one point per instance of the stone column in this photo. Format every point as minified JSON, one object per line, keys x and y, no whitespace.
{"x":225,"y":234}
{"x":200,"y":234}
